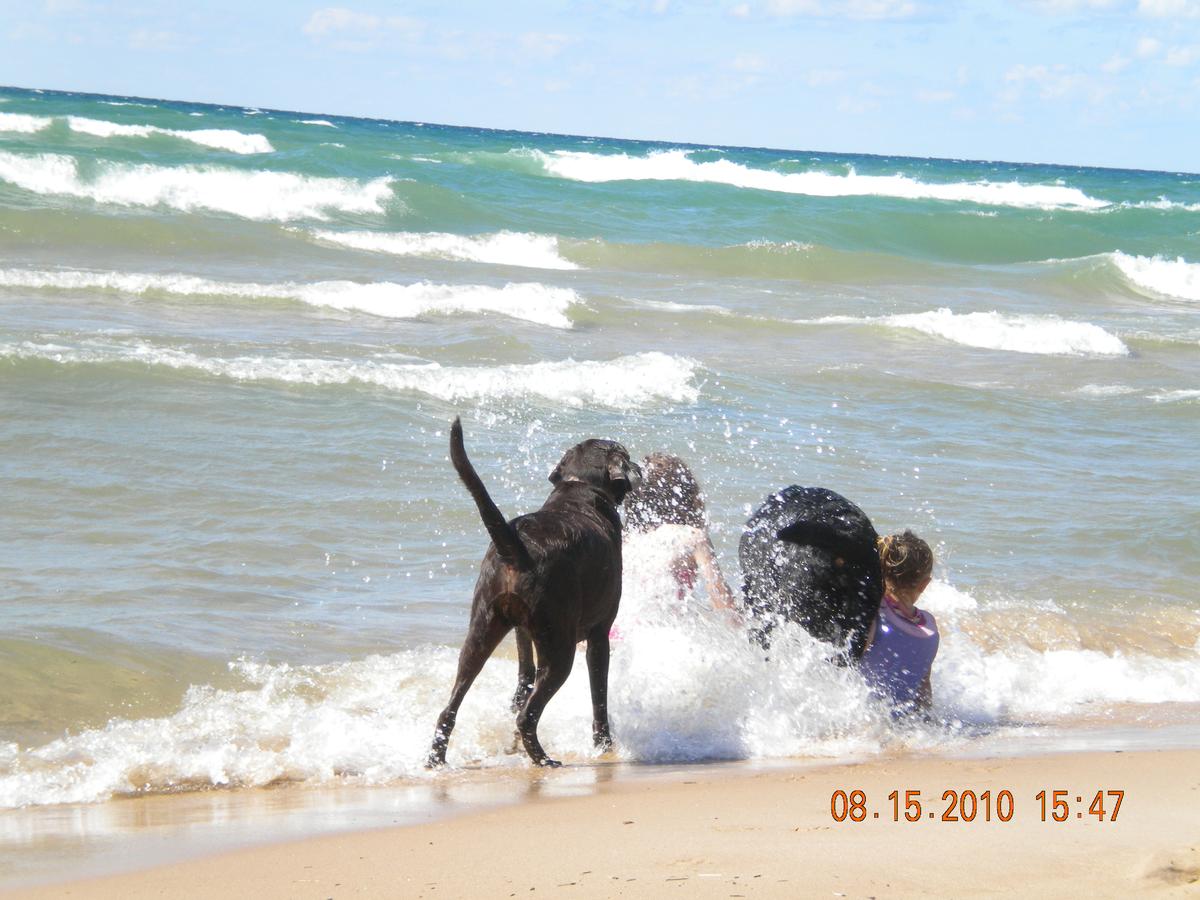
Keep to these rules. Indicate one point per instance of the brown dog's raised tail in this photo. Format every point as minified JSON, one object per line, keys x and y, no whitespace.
{"x":504,"y":536}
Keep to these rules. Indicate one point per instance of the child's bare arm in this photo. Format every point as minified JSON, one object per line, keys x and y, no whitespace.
{"x":710,"y":570}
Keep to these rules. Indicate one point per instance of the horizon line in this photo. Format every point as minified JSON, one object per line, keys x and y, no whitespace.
{"x":689,"y":144}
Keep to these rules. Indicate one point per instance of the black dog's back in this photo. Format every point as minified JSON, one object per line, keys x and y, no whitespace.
{"x":809,"y":556}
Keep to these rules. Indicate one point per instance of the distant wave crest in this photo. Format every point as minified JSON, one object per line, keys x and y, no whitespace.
{"x":676,"y":165}
{"x":218,"y":138}
{"x":253,"y":194}
{"x":531,"y":302}
{"x":510,"y":248}
{"x":624,"y":383}
{"x":23,"y":124}
{"x":1047,"y":335}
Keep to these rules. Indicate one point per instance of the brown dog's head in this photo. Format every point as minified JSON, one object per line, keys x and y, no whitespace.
{"x":602,"y":464}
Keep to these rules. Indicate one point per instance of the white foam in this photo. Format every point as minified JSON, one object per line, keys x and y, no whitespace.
{"x":1181,"y":396}
{"x":317,"y":122}
{"x":23,"y":124}
{"x":685,"y":685}
{"x":624,"y":383}
{"x":1106,"y":390}
{"x":530,"y":302}
{"x":675,"y":165}
{"x":253,"y":194}
{"x":672,"y":306}
{"x":535,"y":251}
{"x":218,"y":138}
{"x":1048,"y":335}
{"x":1159,"y":275}
{"x":1162,"y":203}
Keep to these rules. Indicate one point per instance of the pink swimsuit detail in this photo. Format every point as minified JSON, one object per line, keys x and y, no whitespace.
{"x":901,"y":656}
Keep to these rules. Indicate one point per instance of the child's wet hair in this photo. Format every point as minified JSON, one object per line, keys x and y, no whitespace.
{"x":668,"y":495}
{"x":905,"y":558}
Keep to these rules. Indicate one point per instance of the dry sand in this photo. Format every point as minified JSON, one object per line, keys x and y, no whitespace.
{"x":764,"y":834}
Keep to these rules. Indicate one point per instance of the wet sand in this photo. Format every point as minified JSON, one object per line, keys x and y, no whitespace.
{"x":719,"y":831}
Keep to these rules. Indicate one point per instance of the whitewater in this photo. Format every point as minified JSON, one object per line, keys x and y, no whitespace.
{"x":236,"y":552}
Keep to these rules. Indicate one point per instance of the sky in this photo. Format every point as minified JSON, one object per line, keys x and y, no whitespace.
{"x":1089,"y":82}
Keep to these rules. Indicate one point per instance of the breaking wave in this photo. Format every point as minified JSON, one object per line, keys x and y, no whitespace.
{"x":1047,"y":335}
{"x":510,"y":248}
{"x":217,"y":138}
{"x":624,"y":383}
{"x":676,"y":165}
{"x":531,"y":302}
{"x":22,"y":123}
{"x":685,"y":685}
{"x":252,"y":194}
{"x":1159,"y":275}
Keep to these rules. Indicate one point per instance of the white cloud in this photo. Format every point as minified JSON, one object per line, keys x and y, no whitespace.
{"x":857,"y":105}
{"x":748,"y":62}
{"x":1117,"y":63}
{"x":936,"y":96}
{"x":1169,"y":9}
{"x":1147,"y":47}
{"x":153,"y":39}
{"x":1065,"y":7}
{"x":543,"y":44}
{"x":1053,"y":82}
{"x":66,"y":7}
{"x":348,"y":29}
{"x":823,"y":77}
{"x":336,"y":18}
{"x":843,"y":9}
{"x":1182,"y":56}
{"x":741,"y":11}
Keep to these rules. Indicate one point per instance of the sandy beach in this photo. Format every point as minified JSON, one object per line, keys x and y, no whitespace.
{"x":757,"y":834}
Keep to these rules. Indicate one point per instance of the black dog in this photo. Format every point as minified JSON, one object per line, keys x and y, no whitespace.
{"x":554,"y":576}
{"x":809,"y":556}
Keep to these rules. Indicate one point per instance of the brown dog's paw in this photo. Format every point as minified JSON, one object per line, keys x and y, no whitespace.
{"x":435,"y":761}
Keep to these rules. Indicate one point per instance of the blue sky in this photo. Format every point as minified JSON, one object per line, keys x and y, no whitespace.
{"x":1101,"y":82}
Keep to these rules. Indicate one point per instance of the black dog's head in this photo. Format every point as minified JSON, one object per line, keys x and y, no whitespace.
{"x":602,"y":464}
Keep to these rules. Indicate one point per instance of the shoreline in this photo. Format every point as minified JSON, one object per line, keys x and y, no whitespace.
{"x":728,"y":830}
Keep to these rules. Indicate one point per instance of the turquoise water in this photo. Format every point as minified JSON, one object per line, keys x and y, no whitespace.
{"x":231,"y":342}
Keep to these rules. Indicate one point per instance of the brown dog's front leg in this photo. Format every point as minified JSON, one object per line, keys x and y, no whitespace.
{"x":554,"y":665}
{"x":597,"y":659}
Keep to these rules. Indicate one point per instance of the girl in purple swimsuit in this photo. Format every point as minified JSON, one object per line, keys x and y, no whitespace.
{"x":904,"y":639}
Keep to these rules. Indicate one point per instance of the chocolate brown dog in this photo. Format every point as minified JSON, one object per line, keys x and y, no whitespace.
{"x":554,"y":576}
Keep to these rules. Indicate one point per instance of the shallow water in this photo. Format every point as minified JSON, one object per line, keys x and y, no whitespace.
{"x":231,"y":342}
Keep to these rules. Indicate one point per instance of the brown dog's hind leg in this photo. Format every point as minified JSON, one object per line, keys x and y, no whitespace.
{"x":597,"y":660}
{"x":483,"y":636}
{"x":555,"y":658}
{"x":525,"y":673}
{"x":525,"y":669}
